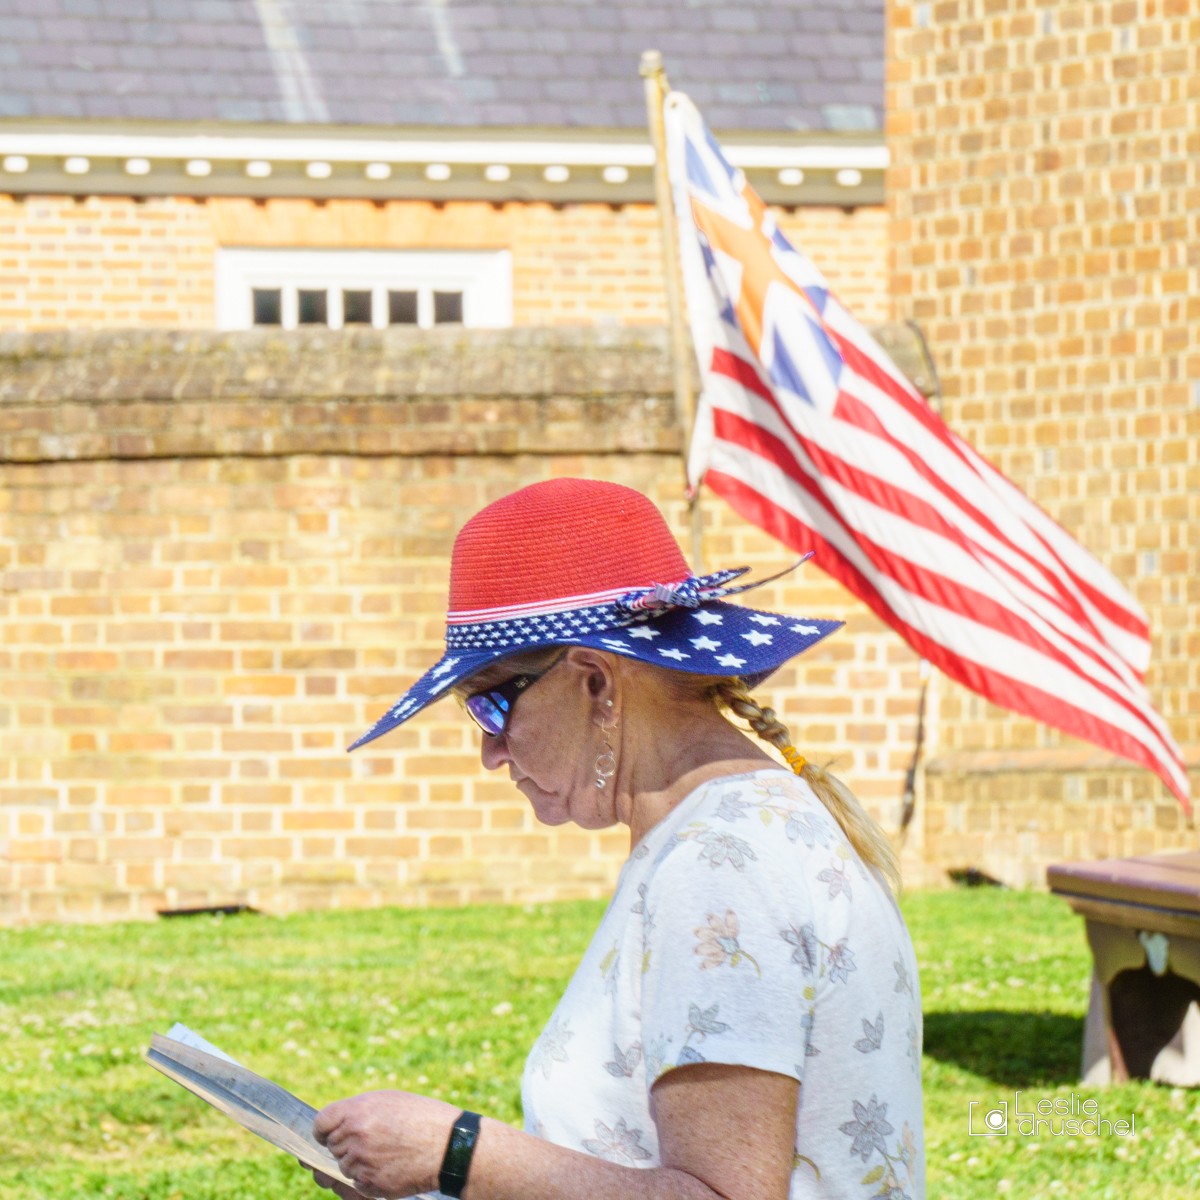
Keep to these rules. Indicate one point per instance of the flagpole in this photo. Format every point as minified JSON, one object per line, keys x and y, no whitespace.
{"x":655,"y":76}
{"x":909,"y":803}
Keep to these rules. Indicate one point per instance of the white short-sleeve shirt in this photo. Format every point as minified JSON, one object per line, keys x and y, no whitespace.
{"x":745,"y":930}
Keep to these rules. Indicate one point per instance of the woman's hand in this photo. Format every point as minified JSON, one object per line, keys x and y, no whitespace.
{"x":390,"y":1143}
{"x":342,"y":1190}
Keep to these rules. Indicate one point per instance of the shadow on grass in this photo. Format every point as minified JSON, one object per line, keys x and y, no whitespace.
{"x":1016,"y":1049}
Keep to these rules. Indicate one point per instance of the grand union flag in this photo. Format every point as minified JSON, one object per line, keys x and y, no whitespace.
{"x":808,"y":430}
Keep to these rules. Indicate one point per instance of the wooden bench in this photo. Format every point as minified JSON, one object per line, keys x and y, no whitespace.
{"x":1143,"y":925}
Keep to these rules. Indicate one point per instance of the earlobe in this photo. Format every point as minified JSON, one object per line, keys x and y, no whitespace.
{"x":607,"y":717}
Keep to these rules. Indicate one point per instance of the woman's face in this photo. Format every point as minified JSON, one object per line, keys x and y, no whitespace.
{"x":553,"y":738}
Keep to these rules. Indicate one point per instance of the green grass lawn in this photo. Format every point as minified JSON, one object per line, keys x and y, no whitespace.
{"x":448,"y":1002}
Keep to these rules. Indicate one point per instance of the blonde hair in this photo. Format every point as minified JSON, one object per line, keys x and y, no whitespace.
{"x":862,"y":831}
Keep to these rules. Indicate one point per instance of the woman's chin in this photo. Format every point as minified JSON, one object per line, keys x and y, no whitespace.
{"x":549,"y":810}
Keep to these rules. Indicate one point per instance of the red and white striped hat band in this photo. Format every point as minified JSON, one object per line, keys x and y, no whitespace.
{"x":583,"y":562}
{"x":537,"y":608}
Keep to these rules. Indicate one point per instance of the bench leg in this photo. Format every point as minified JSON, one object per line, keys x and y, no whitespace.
{"x":1097,"y":1061}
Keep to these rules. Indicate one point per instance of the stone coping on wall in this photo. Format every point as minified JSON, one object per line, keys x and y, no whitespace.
{"x":1063,"y":759}
{"x":145,"y":394}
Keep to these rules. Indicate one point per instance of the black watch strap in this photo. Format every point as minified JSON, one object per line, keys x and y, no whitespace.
{"x":452,"y":1178}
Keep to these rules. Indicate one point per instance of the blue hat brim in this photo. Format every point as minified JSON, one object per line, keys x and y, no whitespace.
{"x":714,"y":639}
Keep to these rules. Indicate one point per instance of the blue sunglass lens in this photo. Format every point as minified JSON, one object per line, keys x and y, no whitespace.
{"x":487,"y":713}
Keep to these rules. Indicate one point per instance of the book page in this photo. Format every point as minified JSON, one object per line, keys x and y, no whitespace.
{"x":255,"y":1103}
{"x":183,"y":1035}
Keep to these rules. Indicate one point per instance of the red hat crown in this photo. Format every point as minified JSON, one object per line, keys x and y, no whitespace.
{"x":561,"y":539}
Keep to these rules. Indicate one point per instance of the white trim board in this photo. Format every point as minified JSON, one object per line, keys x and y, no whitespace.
{"x":508,"y":151}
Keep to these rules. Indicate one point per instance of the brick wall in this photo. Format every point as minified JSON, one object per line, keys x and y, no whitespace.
{"x":1045,"y":196}
{"x":223,"y":556}
{"x":113,"y":263}
{"x":105,"y":263}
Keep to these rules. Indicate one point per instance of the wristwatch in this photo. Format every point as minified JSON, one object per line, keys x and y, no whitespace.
{"x":452,"y":1178}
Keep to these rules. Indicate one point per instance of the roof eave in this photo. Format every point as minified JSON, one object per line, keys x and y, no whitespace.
{"x":844,"y":169}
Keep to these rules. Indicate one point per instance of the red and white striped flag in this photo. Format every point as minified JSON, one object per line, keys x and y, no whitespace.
{"x":806,"y":428}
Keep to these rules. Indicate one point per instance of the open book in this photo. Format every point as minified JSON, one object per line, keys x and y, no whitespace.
{"x":253,"y":1102}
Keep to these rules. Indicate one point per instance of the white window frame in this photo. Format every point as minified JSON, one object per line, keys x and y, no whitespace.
{"x":483,"y":276}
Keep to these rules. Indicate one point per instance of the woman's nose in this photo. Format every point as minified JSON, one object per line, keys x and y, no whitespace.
{"x":493,"y":752}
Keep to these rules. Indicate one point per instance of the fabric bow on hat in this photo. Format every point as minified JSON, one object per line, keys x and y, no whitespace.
{"x":693,"y":591}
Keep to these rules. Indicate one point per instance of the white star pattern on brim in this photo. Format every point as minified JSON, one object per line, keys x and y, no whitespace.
{"x":655,"y":637}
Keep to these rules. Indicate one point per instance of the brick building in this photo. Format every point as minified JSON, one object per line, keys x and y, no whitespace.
{"x":352,"y":163}
{"x":223,"y":554}
{"x":1045,"y":200}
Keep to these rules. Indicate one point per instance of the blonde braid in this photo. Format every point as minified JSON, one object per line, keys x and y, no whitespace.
{"x":863,"y":833}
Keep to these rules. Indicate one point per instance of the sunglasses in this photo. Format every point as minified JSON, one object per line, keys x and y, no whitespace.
{"x":492,"y":708}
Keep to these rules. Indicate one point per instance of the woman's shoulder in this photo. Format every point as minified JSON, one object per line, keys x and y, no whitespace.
{"x":743,"y":823}
{"x":772,"y":808}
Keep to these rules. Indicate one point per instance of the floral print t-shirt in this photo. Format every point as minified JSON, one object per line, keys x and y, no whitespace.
{"x":745,"y":930}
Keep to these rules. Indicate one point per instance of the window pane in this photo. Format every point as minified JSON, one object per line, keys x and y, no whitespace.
{"x":447,"y":308}
{"x":356,"y":308}
{"x":402,"y":308}
{"x":314,"y":308}
{"x":268,"y":306}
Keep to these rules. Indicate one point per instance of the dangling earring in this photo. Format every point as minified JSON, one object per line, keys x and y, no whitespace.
{"x":606,"y":760}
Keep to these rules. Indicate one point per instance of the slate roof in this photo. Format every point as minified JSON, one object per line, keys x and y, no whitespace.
{"x":749,"y":64}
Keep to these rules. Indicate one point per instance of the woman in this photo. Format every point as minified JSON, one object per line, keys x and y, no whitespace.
{"x":746,"y":1021}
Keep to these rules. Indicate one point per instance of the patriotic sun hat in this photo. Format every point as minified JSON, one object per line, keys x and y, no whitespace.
{"x":579,"y":562}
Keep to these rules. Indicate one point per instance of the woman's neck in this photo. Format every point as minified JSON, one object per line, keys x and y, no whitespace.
{"x":667,"y":755}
